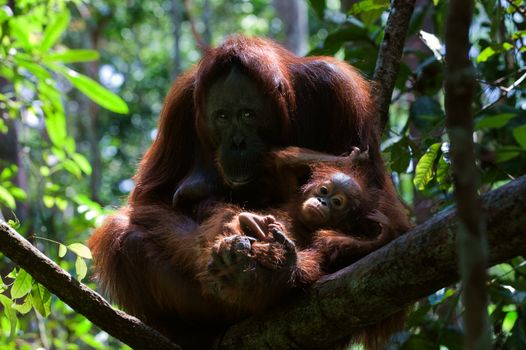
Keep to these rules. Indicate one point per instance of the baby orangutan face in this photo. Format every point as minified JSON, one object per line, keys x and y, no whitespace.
{"x":326,"y":201}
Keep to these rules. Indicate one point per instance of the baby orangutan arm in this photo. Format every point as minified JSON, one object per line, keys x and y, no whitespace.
{"x":339,"y":249}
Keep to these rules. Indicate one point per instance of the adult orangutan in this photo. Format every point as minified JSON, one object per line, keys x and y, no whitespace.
{"x":219,"y":120}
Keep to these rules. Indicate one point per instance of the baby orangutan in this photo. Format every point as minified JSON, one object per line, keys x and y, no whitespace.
{"x":335,"y":212}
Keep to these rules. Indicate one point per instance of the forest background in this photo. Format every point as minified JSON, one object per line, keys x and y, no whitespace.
{"x":82,"y":84}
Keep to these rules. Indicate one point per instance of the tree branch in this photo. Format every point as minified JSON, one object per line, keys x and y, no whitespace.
{"x":389,"y":56}
{"x":407,"y":269}
{"x":81,"y":298}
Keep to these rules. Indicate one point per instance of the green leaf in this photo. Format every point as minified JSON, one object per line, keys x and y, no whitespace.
{"x":82,"y":162}
{"x":25,"y":307}
{"x":81,"y":268}
{"x":18,"y":193}
{"x":6,"y":198}
{"x":486,"y":54}
{"x":494,"y":121}
{"x":56,"y":127}
{"x":54,"y":30}
{"x":509,"y":321}
{"x":9,"y":313}
{"x":506,"y":153}
{"x":19,"y":31}
{"x":442,"y":173}
{"x":62,"y":250}
{"x":72,"y":168}
{"x":80,"y":249}
{"x":48,"y":201}
{"x":41,"y":299}
{"x":94,"y":90}
{"x":519,"y":133}
{"x":507,"y":46}
{"x":424,"y":168}
{"x":22,"y":284}
{"x":5,"y":13}
{"x":319,"y":7}
{"x":38,"y":71}
{"x":70,"y":56}
{"x":425,"y":112}
{"x":368,"y":6}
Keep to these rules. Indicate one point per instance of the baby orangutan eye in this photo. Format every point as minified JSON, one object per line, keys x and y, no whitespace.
{"x":338,"y":202}
{"x":324,"y":190}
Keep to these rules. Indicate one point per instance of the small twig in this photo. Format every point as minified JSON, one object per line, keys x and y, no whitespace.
{"x":504,"y":93}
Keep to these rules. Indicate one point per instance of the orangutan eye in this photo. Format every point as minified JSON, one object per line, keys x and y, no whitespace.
{"x":221,"y":114}
{"x":248,"y":114}
{"x":324,"y":190}
{"x":338,"y":201}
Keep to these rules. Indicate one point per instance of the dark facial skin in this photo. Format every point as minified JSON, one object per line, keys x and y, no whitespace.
{"x":330,"y":201}
{"x":239,"y":119}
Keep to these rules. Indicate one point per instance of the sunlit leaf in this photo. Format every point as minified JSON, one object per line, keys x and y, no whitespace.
{"x":509,"y":321}
{"x":25,"y":307}
{"x":56,"y":128}
{"x":70,"y":56}
{"x":486,"y":54}
{"x":80,"y":249}
{"x":72,"y":168}
{"x":442,"y":173}
{"x":507,"y":46}
{"x":94,"y":90}
{"x":424,"y":168}
{"x":18,"y":193}
{"x":81,"y":268}
{"x":5,"y":13}
{"x":62,"y":250}
{"x":38,"y":71}
{"x":54,"y":30}
{"x":49,"y":201}
{"x":8,"y":172}
{"x":22,"y":284}
{"x":41,"y":299}
{"x":519,"y":133}
{"x":44,"y":171}
{"x":9,"y":313}
{"x":19,"y":31}
{"x":6,"y":198}
{"x":368,"y":6}
{"x":82,"y":162}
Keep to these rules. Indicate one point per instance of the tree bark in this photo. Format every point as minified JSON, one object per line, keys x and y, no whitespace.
{"x":389,"y":56}
{"x":77,"y":295}
{"x":407,"y":269}
{"x":472,"y":245}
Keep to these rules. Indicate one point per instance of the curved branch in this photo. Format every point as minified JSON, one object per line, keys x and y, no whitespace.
{"x":407,"y":269}
{"x":81,"y":298}
{"x":389,"y":56}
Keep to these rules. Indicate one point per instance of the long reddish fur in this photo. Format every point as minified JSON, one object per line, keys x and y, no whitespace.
{"x":151,"y":259}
